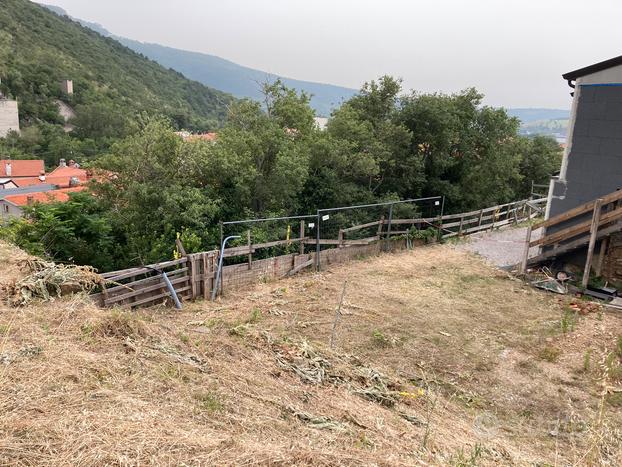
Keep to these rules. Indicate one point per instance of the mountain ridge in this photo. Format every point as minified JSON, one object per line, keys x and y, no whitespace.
{"x":222,"y":74}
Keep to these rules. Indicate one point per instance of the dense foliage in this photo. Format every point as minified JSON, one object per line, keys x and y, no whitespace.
{"x":270,"y":159}
{"x":112,"y":84}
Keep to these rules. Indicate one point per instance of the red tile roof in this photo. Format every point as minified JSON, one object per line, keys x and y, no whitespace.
{"x":69,"y":172}
{"x":28,"y":181}
{"x":53,"y":196}
{"x":21,"y":168}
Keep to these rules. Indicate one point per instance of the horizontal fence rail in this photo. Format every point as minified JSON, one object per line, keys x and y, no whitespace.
{"x":193,"y":275}
{"x":581,"y":226}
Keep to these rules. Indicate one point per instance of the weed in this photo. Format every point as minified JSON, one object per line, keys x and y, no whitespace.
{"x":208,"y":401}
{"x":120,"y":324}
{"x":526,"y":413}
{"x":363,"y":442}
{"x":462,"y":460}
{"x":618,"y":349}
{"x":568,"y":321}
{"x":550,"y":354}
{"x":254,"y":317}
{"x":184,"y":338}
{"x":614,"y":399}
{"x":170,"y":371}
{"x":240,"y":330}
{"x":379,"y":338}
{"x":587,"y":360}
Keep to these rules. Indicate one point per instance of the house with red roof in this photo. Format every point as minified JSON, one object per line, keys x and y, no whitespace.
{"x":14,"y":169}
{"x":23,"y":183}
{"x":12,"y":205}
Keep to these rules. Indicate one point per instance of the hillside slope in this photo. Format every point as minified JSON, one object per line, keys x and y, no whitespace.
{"x":225,"y":75}
{"x":438,"y":359}
{"x":39,"y":48}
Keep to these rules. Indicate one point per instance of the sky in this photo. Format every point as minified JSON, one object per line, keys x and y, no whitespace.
{"x":513,"y":51}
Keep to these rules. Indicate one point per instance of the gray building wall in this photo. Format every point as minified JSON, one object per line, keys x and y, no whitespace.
{"x":593,"y":164}
{"x":9,"y":210}
{"x":9,"y":117}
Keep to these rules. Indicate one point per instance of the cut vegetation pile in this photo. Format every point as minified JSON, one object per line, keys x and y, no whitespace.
{"x":437,"y":358}
{"x":47,"y":280}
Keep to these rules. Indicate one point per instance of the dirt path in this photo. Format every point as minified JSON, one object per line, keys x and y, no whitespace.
{"x":503,"y":248}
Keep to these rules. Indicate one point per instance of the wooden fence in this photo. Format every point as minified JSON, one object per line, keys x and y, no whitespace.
{"x":578,"y":227}
{"x":193,"y":276}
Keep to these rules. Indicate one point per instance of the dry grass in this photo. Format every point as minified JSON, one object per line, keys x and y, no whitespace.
{"x":453,"y":343}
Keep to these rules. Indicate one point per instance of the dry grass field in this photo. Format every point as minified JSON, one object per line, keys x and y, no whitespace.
{"x":438,"y":359}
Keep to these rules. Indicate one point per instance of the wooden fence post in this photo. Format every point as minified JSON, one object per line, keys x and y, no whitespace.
{"x":523,"y":266}
{"x":340,"y":238}
{"x":593,"y":234}
{"x":205,"y":258}
{"x":193,"y":275}
{"x":460,"y":228}
{"x":302,"y":236}
{"x":601,"y":256}
{"x":250,"y":250}
{"x":481,"y":215}
{"x":380,"y":224}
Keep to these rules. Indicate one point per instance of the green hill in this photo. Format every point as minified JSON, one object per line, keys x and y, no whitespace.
{"x":224,"y":74}
{"x":39,"y":48}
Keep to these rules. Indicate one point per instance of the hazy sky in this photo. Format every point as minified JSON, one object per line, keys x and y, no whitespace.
{"x":512,"y":50}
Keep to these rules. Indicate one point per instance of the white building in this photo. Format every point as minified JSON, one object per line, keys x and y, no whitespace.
{"x":9,"y":117}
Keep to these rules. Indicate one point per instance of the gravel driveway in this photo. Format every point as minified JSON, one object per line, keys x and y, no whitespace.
{"x":503,"y":248}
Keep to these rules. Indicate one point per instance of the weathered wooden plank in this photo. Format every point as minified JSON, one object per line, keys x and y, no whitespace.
{"x":157,"y":297}
{"x":205,"y":259}
{"x":328,"y":241}
{"x":362,"y":226}
{"x":243,"y":250}
{"x":593,"y":234}
{"x":523,"y":266}
{"x":135,"y":284}
{"x":144,"y":290}
{"x":581,"y":209}
{"x":114,"y":275}
{"x":300,"y":267}
{"x":566,"y":247}
{"x":577,"y":229}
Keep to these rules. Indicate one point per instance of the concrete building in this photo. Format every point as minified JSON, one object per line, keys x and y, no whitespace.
{"x":12,"y":202}
{"x":66,"y":86}
{"x":9,"y":117}
{"x":592,"y":161}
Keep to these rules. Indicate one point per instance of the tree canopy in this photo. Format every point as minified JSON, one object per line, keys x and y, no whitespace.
{"x":270,"y":159}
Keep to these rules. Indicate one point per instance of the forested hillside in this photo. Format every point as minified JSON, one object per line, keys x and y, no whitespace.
{"x":225,"y":75}
{"x":112,"y":83}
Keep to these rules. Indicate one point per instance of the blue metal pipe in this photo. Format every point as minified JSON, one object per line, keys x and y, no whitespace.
{"x":218,"y":273}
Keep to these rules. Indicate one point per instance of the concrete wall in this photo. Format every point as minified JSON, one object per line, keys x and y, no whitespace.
{"x":9,"y":210}
{"x":9,"y":117}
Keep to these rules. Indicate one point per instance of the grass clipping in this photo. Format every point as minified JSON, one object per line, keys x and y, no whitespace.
{"x":47,"y":280}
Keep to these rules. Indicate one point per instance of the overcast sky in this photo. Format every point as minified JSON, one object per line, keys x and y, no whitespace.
{"x":514,"y":51}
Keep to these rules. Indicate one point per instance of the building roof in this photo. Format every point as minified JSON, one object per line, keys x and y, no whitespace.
{"x":588,"y":70}
{"x":21,"y":168}
{"x":62,"y":175}
{"x":53,"y":196}
{"x":22,"y":190}
{"x":69,"y":172}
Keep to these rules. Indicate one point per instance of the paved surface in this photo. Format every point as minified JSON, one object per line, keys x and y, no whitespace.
{"x":503,"y":248}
